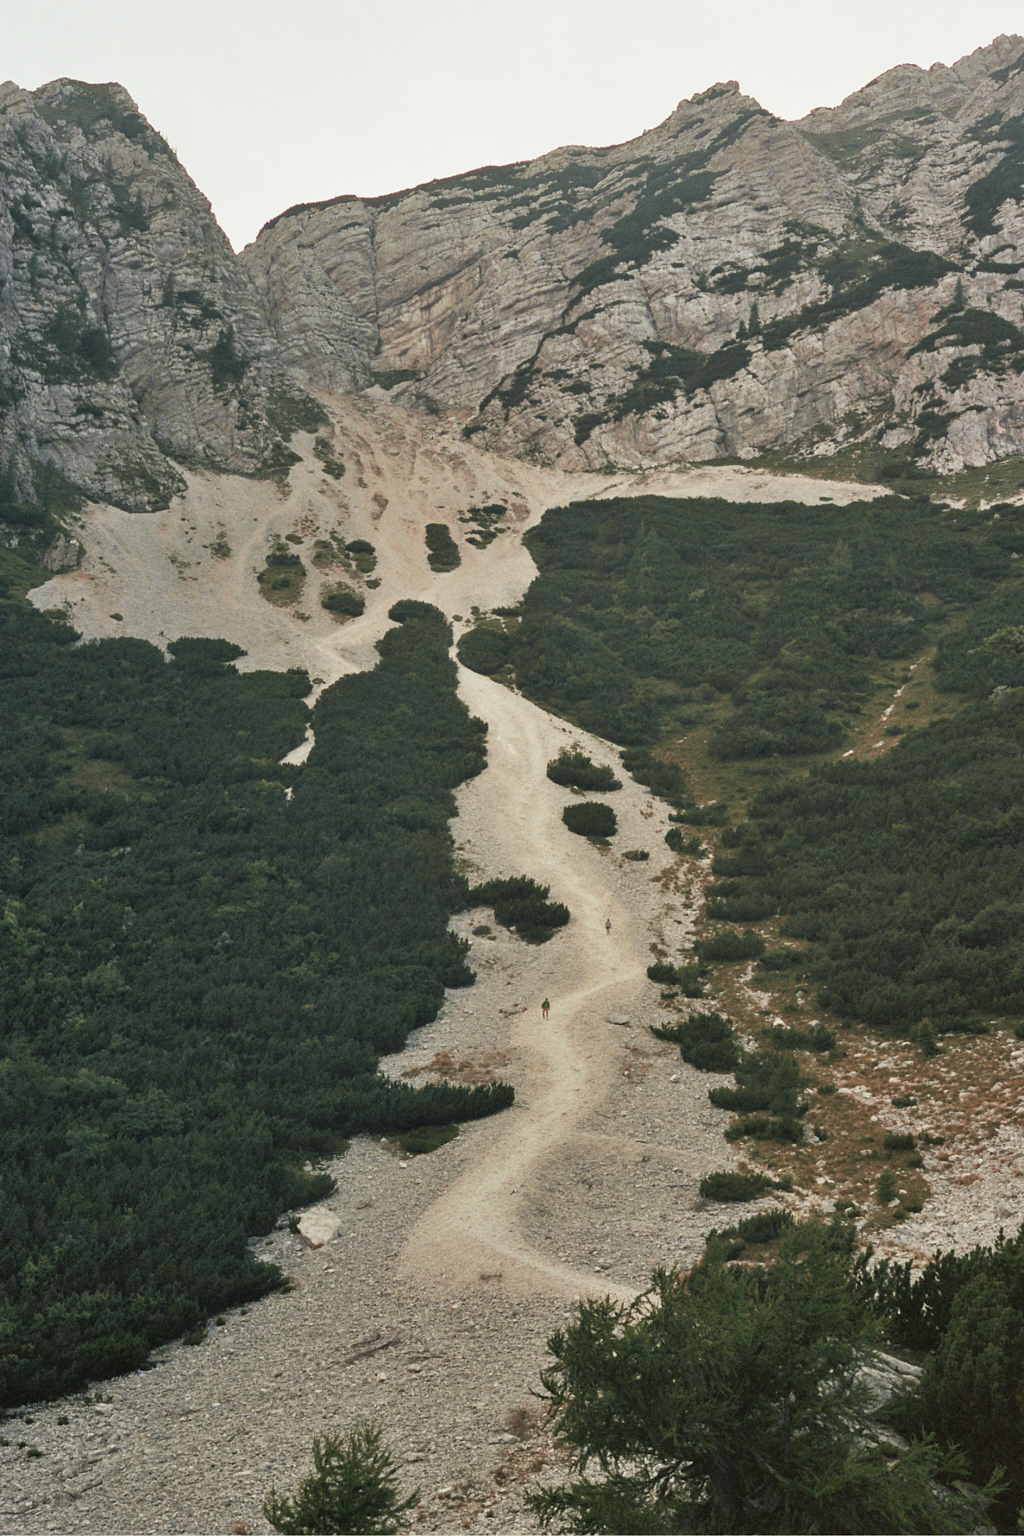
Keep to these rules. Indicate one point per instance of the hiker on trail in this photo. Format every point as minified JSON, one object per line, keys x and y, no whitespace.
{"x":545,"y":1005}
{"x":607,"y":925}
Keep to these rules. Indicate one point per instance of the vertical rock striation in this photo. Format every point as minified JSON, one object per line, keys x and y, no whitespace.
{"x":130,"y":335}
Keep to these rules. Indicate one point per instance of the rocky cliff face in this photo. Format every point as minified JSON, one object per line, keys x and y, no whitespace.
{"x":130,"y":336}
{"x":726,"y":284}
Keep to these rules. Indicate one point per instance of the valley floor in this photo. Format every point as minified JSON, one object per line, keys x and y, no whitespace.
{"x":430,"y":1307}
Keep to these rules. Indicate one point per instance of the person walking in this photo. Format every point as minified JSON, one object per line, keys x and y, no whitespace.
{"x":607,"y":925}
{"x":545,"y":1005}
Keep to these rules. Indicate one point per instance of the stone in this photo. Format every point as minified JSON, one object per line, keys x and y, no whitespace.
{"x":318,"y":1226}
{"x":63,"y":554}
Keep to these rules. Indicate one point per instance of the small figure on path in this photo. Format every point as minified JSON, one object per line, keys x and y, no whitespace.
{"x":607,"y":925}
{"x":545,"y":1005}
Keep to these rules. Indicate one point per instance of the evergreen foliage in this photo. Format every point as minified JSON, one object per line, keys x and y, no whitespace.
{"x":353,"y":1488}
{"x":728,"y":1400}
{"x":344,"y":601}
{"x":706,"y":1041}
{"x":442,"y":550}
{"x":485,"y":648}
{"x":590,"y":819}
{"x":908,"y":872}
{"x":732,"y":1188}
{"x":686,"y":977}
{"x":640,"y":602}
{"x":574,"y":769}
{"x":520,"y":904}
{"x":968,"y":1311}
{"x":197,"y":975}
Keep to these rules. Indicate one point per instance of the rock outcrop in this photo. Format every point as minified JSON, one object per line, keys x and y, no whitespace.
{"x":727,"y":285}
{"x":130,"y":336}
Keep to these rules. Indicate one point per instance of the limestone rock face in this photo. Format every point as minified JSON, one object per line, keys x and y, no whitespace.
{"x":726,"y":284}
{"x":129,"y":333}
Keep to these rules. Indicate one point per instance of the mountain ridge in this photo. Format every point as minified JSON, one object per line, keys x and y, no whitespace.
{"x":727,"y":285}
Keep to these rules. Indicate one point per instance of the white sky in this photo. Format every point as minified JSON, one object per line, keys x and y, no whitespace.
{"x":275,"y":102}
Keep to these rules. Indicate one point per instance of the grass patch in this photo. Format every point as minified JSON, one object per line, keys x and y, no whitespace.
{"x":283,"y":577}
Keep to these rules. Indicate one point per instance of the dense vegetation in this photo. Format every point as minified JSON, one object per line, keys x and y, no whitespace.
{"x":770,"y":623}
{"x":968,"y":1310}
{"x":908,"y":871}
{"x":646,"y":609}
{"x":197,"y":974}
{"x":519,"y":904}
{"x":729,"y":1400}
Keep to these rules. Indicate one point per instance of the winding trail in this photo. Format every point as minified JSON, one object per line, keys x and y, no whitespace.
{"x":472,"y":1228}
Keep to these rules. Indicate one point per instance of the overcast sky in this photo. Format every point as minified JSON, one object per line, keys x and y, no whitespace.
{"x":274,"y":102}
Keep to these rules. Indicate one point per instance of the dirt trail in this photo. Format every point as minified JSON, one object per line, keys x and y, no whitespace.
{"x":473,"y":1227}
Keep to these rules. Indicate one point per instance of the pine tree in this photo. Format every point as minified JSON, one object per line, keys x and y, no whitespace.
{"x":352,"y":1489}
{"x":731,"y":1401}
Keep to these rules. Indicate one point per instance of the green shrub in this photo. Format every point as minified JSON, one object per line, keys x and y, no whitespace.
{"x":766,"y":1096}
{"x":667,"y":780}
{"x":689,"y":845}
{"x":442,"y":550}
{"x":737,"y":1188}
{"x":227,"y":365}
{"x":781,"y":959}
{"x":485,"y":649}
{"x":706,"y":1041}
{"x":637,"y":855}
{"x":520,"y":904}
{"x":353,"y":1488}
{"x":288,"y":413}
{"x":687,"y":977}
{"x":714,"y":815}
{"x":762,"y":1227}
{"x":574,"y":768}
{"x":343,"y":601}
{"x":729,"y":1400}
{"x":765,"y":1128}
{"x":887,"y":1189}
{"x":784,"y":1038}
{"x":591,"y":819}
{"x":898,"y":1141}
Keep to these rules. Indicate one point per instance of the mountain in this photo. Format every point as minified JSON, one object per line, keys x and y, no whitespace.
{"x":727,"y":285}
{"x":724,"y":284}
{"x":131,"y":339}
